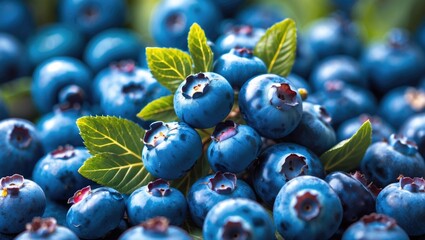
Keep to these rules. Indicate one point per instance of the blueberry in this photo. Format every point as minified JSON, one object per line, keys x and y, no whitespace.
{"x":21,"y":200}
{"x":239,"y":65}
{"x":155,"y":228}
{"x":403,"y":201}
{"x":315,"y":124}
{"x":55,"y":40}
{"x":112,"y":45}
{"x":380,"y":128}
{"x":356,"y":198}
{"x":399,"y":153}
{"x":57,"y":172}
{"x":203,"y":100}
{"x":414,"y":129}
{"x":260,"y":15}
{"x":53,"y":75}
{"x":400,"y":104}
{"x":13,"y":58}
{"x":47,"y":229}
{"x":344,"y":101}
{"x":59,"y":128}
{"x":93,"y":16}
{"x":340,"y":67}
{"x":95,"y":213}
{"x":242,"y":36}
{"x":238,"y":219}
{"x":171,"y":21}
{"x":234,"y":147}
{"x":124,"y":89}
{"x":393,"y":63}
{"x":170,"y":149}
{"x":334,"y":35}
{"x":16,"y":18}
{"x":375,"y":226}
{"x":21,"y":147}
{"x":270,"y":105}
{"x":280,"y":163}
{"x":157,"y":199}
{"x":307,"y":208}
{"x":212,"y":189}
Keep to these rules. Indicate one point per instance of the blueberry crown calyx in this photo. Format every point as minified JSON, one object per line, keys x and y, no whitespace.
{"x":63,"y":152}
{"x":157,"y":133}
{"x":387,"y":222}
{"x":11,"y":184}
{"x":307,"y":206}
{"x":127,"y":66}
{"x":235,"y":229}
{"x":79,"y":195}
{"x":156,"y":225}
{"x":223,"y":183}
{"x":294,"y":166}
{"x":159,"y":188}
{"x":20,"y":136}
{"x":403,"y":145}
{"x":282,"y":96}
{"x":196,"y":85}
{"x":225,"y":130}
{"x":242,"y":52}
{"x":42,"y":226}
{"x":412,"y":184}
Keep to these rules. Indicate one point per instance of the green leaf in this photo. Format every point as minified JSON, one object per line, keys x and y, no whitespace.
{"x":160,"y":109}
{"x":116,"y":146}
{"x":277,"y":47}
{"x":347,"y":154}
{"x":201,"y":168}
{"x":106,"y":134}
{"x":201,"y":53}
{"x":170,"y":66}
{"x":116,"y":172}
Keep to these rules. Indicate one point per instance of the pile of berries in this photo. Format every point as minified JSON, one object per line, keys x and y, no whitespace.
{"x":267,"y":132}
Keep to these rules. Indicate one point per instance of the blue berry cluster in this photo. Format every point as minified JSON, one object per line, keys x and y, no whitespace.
{"x":259,"y":135}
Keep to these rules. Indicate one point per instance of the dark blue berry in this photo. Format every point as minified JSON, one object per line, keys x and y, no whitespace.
{"x":403,"y":201}
{"x":46,"y":229}
{"x":280,"y":163}
{"x":210,"y":190}
{"x":271,"y":105}
{"x":57,"y":172}
{"x":233,"y":148}
{"x":203,"y":100}
{"x":399,"y":153}
{"x":170,"y":149}
{"x":20,"y":200}
{"x":307,"y":208}
{"x":95,"y":213}
{"x":238,"y":219}
{"x":157,"y":199}
{"x":21,"y":147}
